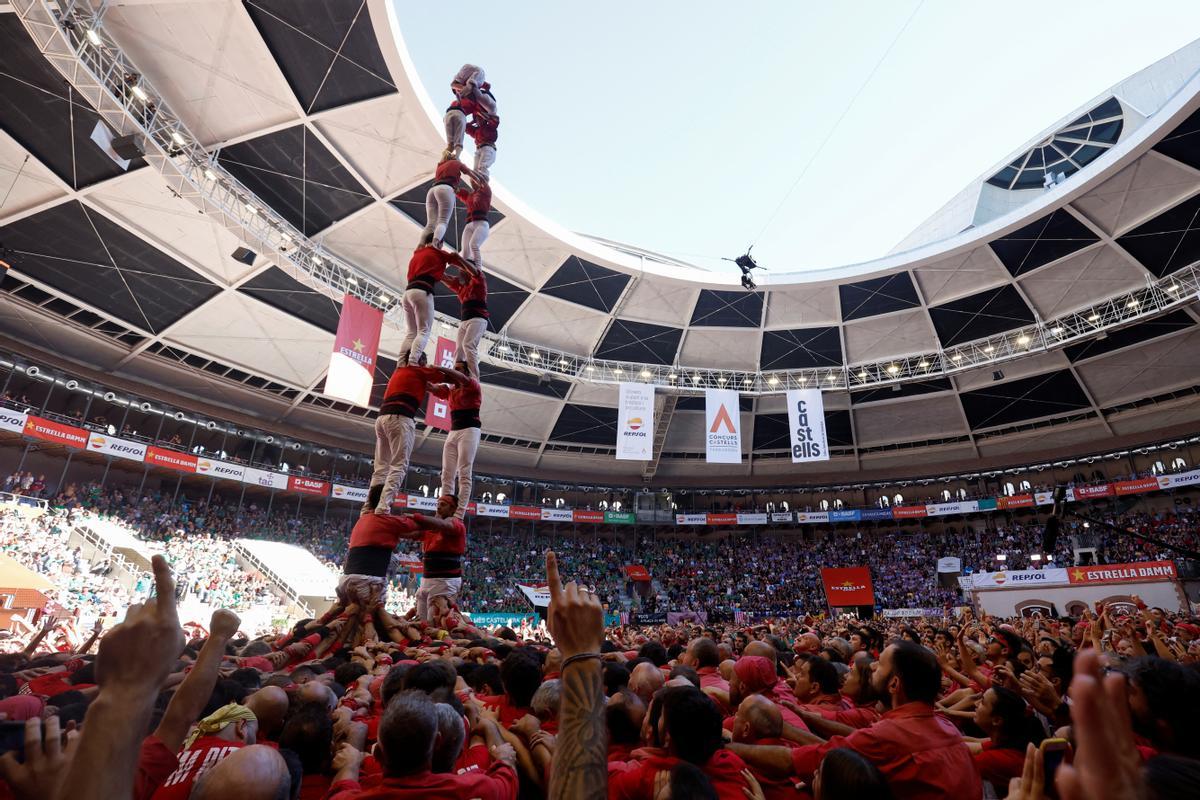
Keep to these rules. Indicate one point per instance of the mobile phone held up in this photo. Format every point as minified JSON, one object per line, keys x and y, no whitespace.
{"x":12,"y":739}
{"x":1055,"y":753}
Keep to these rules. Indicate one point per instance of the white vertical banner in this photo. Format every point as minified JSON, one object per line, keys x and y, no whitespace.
{"x":722,"y":427}
{"x":635,"y":422}
{"x":806,"y":418}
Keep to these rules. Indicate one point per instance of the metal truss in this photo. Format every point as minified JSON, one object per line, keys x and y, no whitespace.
{"x":71,"y":35}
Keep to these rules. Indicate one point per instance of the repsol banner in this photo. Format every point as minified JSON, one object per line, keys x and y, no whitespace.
{"x":222,"y":469}
{"x":635,"y":422}
{"x":806,"y":420}
{"x":808,"y":517}
{"x":491,"y":510}
{"x":353,"y":493}
{"x":117,"y":448}
{"x":942,"y":509}
{"x":557,"y":515}
{"x":1020,"y":578}
{"x":13,"y":421}
{"x":691,"y":519}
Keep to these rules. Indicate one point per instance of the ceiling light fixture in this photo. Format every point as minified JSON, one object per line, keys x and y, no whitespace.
{"x":535,"y":355}
{"x":772,"y":381}
{"x":1023,"y":340}
{"x":93,"y":37}
{"x":139,"y":93}
{"x":893,"y":369}
{"x":178,"y":139}
{"x":989,"y":349}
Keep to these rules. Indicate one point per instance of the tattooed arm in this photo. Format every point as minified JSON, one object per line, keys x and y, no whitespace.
{"x":580,"y":767}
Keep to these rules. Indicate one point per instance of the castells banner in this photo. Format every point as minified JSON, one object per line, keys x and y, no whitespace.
{"x":352,"y":363}
{"x":806,"y":418}
{"x":848,"y":586}
{"x":635,"y":422}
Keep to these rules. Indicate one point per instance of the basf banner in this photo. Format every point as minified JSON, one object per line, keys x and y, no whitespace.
{"x":437,"y":409}
{"x":303,"y":485}
{"x":722,"y":427}
{"x":117,"y":448}
{"x":635,"y":422}
{"x":806,"y":418}
{"x":848,"y":586}
{"x":352,"y":363}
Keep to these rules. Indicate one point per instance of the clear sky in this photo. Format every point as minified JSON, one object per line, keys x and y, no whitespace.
{"x":681,"y":126}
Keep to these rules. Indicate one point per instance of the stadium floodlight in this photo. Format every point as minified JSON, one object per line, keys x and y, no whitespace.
{"x":93,"y":37}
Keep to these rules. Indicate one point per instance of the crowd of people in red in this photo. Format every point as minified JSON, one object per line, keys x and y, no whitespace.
{"x":807,"y":706}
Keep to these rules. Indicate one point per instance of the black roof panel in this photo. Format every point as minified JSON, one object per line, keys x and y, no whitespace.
{"x":728,"y":309}
{"x":980,"y":315}
{"x":327,"y":51}
{"x":641,"y":342}
{"x":901,"y":390}
{"x":869,"y":298}
{"x":295,"y":174}
{"x":1134,"y":334}
{"x":1168,"y":242}
{"x":1038,"y":243}
{"x":1046,"y":395}
{"x":586,"y":283}
{"x":278,"y":289}
{"x":580,"y":424}
{"x":523,"y":381}
{"x":802,"y":348}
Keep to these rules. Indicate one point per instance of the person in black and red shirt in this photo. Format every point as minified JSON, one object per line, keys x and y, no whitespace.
{"x":471,"y":288}
{"x":472,"y":98}
{"x":426,"y":267}
{"x":478,"y":202}
{"x":395,"y":429}
{"x":462,"y":443}
{"x":443,"y":542}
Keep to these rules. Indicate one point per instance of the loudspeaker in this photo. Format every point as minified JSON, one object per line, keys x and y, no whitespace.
{"x":128,"y":147}
{"x":245,"y":255}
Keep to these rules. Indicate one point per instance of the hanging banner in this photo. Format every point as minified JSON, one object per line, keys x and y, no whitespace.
{"x":1164,"y":481}
{"x":961,"y":507}
{"x":355,"y":494}
{"x":490,"y":510}
{"x":220,"y":469}
{"x":909,"y":512}
{"x":781,"y":516}
{"x":13,"y":421}
{"x":355,"y":349}
{"x":637,"y":572}
{"x":418,"y":502}
{"x":722,"y":427}
{"x":806,"y":419}
{"x":620,"y":517}
{"x":1052,"y":576}
{"x":722,"y":519}
{"x":691,"y":519}
{"x":50,"y":431}
{"x":117,"y":448}
{"x":557,"y":515}
{"x":538,"y":595}
{"x":848,"y":586}
{"x":1136,"y":487}
{"x":260,"y":477}
{"x":850,"y":515}
{"x":1015,"y":501}
{"x":587,"y":516}
{"x":812,"y":516}
{"x":171,"y":459}
{"x":875,"y":514}
{"x":1088,"y":492}
{"x":524,"y":512}
{"x":949,"y":564}
{"x":751,"y":519}
{"x":299,"y":483}
{"x":1123,"y":573}
{"x":437,"y":409}
{"x":635,"y":422}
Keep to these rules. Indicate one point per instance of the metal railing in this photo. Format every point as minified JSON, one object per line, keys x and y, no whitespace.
{"x":71,"y":35}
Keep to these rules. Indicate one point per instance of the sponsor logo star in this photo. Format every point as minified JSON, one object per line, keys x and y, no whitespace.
{"x":358,"y":345}
{"x":1078,"y":575}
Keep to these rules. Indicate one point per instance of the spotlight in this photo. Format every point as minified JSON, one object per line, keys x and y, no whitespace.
{"x":211,"y":425}
{"x":32,"y":372}
{"x":139,"y":92}
{"x":93,"y":37}
{"x":179,"y":416}
{"x":72,"y":385}
{"x":109,"y":397}
{"x":146,"y":406}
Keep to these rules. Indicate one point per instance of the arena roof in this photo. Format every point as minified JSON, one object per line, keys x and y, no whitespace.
{"x":1060,"y":325}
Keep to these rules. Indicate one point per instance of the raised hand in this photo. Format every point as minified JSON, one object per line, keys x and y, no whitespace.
{"x":138,"y":654}
{"x":46,"y":761}
{"x":575,"y":616}
{"x":224,"y":624}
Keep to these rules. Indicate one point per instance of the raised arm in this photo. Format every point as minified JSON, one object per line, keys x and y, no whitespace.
{"x":191,"y":696}
{"x":133,"y":661}
{"x":439,"y":390}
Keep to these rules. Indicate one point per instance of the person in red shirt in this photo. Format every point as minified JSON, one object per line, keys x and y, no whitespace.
{"x":686,"y":727}
{"x":257,"y":772}
{"x":405,"y":749}
{"x":462,"y":443}
{"x":759,"y":721}
{"x":756,"y":675}
{"x":478,"y":202}
{"x":426,"y":267}
{"x":471,"y":288}
{"x":473,"y":98}
{"x":1005,"y":717}
{"x":921,"y":754}
{"x":215,"y":737}
{"x":373,"y":539}
{"x":703,"y":654}
{"x":817,"y":683}
{"x":443,"y":543}
{"x":395,"y":428}
{"x":439,"y":200}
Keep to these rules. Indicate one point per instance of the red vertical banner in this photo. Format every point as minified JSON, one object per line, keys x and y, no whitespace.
{"x":848,"y":586}
{"x":352,"y":363}
{"x":437,"y":410}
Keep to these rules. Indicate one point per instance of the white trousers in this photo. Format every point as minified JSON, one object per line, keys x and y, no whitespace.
{"x":458,"y":464}
{"x":418,"y":323}
{"x":485,"y":157}
{"x":475,"y":233}
{"x":436,"y":587}
{"x":470,"y":334}
{"x":439,"y":205}
{"x":394,"y":438}
{"x":456,"y":123}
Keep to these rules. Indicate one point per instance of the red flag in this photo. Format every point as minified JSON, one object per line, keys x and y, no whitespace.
{"x":848,"y":586}
{"x":352,"y":363}
{"x":437,"y":410}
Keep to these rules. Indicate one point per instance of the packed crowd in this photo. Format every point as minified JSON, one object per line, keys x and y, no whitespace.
{"x":805,"y":706}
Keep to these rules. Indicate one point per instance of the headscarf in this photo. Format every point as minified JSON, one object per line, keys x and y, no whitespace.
{"x":216,"y":722}
{"x":755,"y":673}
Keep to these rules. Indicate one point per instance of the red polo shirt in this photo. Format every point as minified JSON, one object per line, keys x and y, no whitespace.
{"x":498,"y":782}
{"x":999,"y":765}
{"x":710,"y":678}
{"x":634,"y":780}
{"x":921,"y":754}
